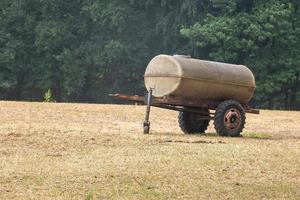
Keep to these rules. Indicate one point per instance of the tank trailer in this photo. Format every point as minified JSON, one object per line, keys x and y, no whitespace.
{"x":201,"y":91}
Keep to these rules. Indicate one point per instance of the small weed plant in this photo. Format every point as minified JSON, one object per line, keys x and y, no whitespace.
{"x":48,"y":96}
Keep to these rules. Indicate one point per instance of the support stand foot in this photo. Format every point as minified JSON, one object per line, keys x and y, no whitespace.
{"x":146,"y":127}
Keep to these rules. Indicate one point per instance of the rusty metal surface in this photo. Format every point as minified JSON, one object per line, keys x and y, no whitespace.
{"x":248,"y":109}
{"x":171,"y":102}
{"x":179,"y":101}
{"x":187,"y":77}
{"x":232,"y":119}
{"x":185,"y":109}
{"x":134,"y":98}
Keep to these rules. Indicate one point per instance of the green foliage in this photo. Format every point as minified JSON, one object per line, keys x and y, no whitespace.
{"x":48,"y":97}
{"x":85,"y":50}
{"x":266,"y":39}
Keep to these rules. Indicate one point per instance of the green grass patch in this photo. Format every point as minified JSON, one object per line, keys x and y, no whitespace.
{"x":256,"y":135}
{"x":90,"y":195}
{"x":211,"y":134}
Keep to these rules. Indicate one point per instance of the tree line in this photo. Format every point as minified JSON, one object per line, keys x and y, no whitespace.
{"x":82,"y":50}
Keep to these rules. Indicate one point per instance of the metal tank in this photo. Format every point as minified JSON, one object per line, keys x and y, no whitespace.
{"x":187,"y":77}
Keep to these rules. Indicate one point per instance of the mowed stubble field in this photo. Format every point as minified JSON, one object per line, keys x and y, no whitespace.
{"x":85,"y":151}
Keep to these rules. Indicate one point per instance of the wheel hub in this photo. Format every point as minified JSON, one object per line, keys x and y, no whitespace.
{"x":232,"y":119}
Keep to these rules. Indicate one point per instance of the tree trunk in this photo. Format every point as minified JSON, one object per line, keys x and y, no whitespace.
{"x":294,"y":91}
{"x":286,"y":100}
{"x":17,"y":94}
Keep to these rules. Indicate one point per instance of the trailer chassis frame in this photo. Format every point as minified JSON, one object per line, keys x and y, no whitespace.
{"x":175,"y":103}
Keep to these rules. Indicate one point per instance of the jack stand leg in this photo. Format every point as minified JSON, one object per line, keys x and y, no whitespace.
{"x":146,"y":124}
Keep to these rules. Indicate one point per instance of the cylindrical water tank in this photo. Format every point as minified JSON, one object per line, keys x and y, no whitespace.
{"x":186,"y":77}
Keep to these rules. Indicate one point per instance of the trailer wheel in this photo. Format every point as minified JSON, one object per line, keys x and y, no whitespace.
{"x":229,"y":119}
{"x":191,"y":123}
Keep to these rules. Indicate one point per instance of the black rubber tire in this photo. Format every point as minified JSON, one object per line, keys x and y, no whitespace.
{"x":189,"y":126}
{"x":221,"y":111}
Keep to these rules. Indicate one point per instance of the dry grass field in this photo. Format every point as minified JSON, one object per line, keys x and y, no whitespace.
{"x":78,"y":151}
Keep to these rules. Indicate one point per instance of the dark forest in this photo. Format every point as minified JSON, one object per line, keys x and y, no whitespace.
{"x":84,"y":50}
